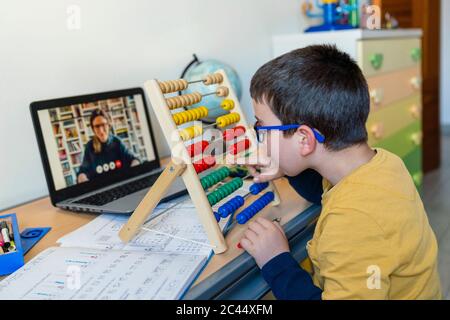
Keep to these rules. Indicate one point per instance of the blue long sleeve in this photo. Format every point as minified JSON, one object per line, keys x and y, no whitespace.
{"x":284,"y":275}
{"x":288,"y":280}
{"x":308,"y":184}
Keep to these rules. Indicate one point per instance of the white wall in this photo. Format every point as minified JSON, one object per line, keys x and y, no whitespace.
{"x":120,"y":44}
{"x":445,"y":62}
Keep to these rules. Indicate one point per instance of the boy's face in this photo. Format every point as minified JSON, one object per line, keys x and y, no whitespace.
{"x":288,"y":151}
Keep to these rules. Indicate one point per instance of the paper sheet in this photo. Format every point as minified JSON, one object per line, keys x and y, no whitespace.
{"x":180,"y":220}
{"x":79,"y":273}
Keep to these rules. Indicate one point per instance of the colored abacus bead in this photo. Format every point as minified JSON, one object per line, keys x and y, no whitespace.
{"x":173,"y":85}
{"x":226,"y":120}
{"x":222,"y":91}
{"x":227,"y":104}
{"x":259,"y":204}
{"x":183,"y":100}
{"x":197,"y":148}
{"x":233,"y":133}
{"x":224,"y":191}
{"x":231,"y":206}
{"x":258,"y":187}
{"x":215,"y":177}
{"x":190,"y":115}
{"x":191,"y":132}
{"x":214,"y":78}
{"x":217,"y":216}
{"x":239,"y":146}
{"x":204,"y":164}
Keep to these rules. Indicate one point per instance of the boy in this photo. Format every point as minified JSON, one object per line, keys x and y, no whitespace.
{"x":373,"y":239}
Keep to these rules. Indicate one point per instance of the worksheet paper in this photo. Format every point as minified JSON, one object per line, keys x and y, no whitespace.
{"x":177,"y":229}
{"x":92,"y":274}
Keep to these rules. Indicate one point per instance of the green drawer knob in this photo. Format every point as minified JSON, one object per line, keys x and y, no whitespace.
{"x":418,"y":178}
{"x":376,"y":60}
{"x":416,"y":54}
{"x":416,"y":138}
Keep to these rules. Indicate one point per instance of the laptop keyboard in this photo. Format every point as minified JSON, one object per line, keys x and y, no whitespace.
{"x":102,"y":198}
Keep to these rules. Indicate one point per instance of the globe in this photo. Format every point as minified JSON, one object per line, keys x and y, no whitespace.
{"x":212,"y":102}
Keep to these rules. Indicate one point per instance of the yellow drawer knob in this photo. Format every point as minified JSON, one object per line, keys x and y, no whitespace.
{"x":416,"y":83}
{"x":377,"y":96}
{"x":416,"y":111}
{"x":416,"y":138}
{"x":377,"y":131}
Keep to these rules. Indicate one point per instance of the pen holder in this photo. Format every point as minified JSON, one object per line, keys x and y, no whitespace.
{"x":11,"y":261}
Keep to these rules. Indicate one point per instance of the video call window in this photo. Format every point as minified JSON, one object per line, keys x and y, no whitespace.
{"x":85,"y":141}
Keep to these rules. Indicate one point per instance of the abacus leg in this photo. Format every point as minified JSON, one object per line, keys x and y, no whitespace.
{"x":151,"y":200}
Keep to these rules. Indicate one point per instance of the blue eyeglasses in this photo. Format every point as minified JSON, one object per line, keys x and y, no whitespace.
{"x":319,"y":137}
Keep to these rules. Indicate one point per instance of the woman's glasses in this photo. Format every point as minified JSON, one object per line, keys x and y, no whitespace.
{"x":261,"y":131}
{"x":102,"y":125}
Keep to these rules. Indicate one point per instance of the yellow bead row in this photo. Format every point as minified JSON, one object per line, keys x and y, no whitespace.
{"x":225,"y":121}
{"x":227,"y":104}
{"x":190,"y":115}
{"x":191,"y":132}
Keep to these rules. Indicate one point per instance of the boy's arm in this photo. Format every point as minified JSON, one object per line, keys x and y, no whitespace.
{"x":308,"y":184}
{"x":266,"y":242}
{"x":288,"y":280}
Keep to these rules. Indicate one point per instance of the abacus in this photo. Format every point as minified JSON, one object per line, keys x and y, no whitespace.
{"x":208,"y":179}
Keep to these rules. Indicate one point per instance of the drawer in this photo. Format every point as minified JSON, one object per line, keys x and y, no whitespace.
{"x":393,"y":118}
{"x":391,"y":87}
{"x":413,"y":160}
{"x":383,"y":56}
{"x":404,"y":141}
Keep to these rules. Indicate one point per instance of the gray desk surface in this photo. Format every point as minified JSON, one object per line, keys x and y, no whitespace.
{"x":241,"y":279}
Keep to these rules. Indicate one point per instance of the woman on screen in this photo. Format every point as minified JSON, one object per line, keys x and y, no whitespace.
{"x":104,"y":152}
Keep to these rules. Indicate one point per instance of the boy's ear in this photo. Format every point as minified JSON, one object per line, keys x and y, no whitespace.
{"x":307,"y":140}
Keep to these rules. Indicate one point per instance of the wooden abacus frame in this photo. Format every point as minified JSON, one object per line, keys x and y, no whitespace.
{"x":178,"y":167}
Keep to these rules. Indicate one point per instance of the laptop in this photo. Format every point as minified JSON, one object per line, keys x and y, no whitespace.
{"x":98,"y":151}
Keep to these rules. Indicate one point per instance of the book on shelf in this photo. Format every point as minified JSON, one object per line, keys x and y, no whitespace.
{"x":56,"y":128}
{"x":62,"y":155}
{"x":59,"y":142}
{"x":69,"y":180}
{"x":66,"y":116}
{"x":65,"y":109}
{"x":75,"y":159}
{"x":71,"y":133}
{"x":74,"y":146}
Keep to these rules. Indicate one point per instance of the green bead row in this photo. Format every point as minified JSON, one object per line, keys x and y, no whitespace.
{"x":225,"y":190}
{"x":215,"y":177}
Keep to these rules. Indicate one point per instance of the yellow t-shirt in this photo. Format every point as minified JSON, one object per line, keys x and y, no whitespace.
{"x":373,"y":239}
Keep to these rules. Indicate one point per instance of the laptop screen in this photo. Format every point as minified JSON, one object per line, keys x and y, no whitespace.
{"x":88,"y":141}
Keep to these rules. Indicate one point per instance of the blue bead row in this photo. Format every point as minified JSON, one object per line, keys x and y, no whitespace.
{"x":231,"y":206}
{"x":258,"y":187}
{"x":255,"y":207}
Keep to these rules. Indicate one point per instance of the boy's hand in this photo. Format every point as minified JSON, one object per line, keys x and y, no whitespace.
{"x":262,"y":168}
{"x":264,"y":240}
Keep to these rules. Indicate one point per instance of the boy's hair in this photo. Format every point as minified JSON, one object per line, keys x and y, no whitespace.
{"x":318,"y":86}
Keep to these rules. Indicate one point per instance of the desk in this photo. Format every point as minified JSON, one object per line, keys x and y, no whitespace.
{"x":227,"y":274}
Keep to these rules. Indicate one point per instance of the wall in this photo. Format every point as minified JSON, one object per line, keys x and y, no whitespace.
{"x":120,"y":44}
{"x":445,"y":65}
